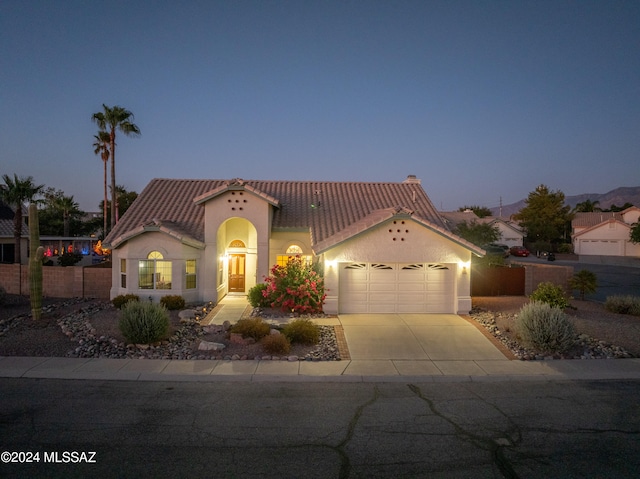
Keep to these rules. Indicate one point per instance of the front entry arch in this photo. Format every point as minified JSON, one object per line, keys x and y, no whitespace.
{"x":237,"y":266}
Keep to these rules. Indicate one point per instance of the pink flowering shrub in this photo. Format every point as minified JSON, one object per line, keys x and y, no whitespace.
{"x":295,"y":287}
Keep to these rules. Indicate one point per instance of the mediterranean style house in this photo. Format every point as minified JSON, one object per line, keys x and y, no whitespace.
{"x":605,"y":233}
{"x":383,"y":246}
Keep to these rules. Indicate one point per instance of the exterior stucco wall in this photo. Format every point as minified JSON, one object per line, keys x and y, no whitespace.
{"x":414,"y":243}
{"x":508,"y":236}
{"x":172,"y":250}
{"x":234,"y":215}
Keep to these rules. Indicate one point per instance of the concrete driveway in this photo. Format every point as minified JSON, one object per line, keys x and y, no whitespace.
{"x":435,"y":337}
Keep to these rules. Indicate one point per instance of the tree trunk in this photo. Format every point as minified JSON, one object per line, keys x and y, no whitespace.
{"x":17,"y":234}
{"x":113,"y":178}
{"x":104,"y":203}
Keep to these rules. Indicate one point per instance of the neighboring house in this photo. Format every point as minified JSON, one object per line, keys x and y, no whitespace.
{"x":605,"y":234}
{"x":7,"y":241}
{"x":510,"y":232}
{"x":383,"y":246}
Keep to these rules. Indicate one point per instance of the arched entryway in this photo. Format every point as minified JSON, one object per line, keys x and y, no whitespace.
{"x":238,"y":254}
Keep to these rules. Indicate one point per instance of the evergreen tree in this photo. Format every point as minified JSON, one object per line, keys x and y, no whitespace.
{"x":545,"y":217}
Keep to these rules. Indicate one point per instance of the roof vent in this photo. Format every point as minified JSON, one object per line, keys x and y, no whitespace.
{"x":413,"y":179}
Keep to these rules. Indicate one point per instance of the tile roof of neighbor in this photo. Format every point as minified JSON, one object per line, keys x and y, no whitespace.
{"x":6,"y":221}
{"x":327,"y":209}
{"x":587,"y":220}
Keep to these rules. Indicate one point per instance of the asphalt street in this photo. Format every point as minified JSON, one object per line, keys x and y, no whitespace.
{"x":493,"y":429}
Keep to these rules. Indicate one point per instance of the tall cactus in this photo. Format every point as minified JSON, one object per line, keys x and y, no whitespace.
{"x":36,"y":252}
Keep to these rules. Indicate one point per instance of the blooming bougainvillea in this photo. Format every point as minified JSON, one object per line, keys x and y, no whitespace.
{"x":295,"y":287}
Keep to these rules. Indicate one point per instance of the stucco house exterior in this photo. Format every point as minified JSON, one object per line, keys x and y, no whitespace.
{"x":510,"y":233}
{"x":383,"y":246}
{"x":605,"y":233}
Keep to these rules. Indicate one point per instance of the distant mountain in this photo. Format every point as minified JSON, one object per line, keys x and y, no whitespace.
{"x":618,"y":197}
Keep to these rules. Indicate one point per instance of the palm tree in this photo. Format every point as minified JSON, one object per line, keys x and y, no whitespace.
{"x":68,"y":206}
{"x":101,"y":145}
{"x":15,"y":193}
{"x":588,"y":206}
{"x":109,"y":120}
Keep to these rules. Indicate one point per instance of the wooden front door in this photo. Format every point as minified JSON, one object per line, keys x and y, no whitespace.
{"x":236,"y":273}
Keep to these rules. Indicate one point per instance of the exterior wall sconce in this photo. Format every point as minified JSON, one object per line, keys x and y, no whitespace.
{"x":465,"y":266}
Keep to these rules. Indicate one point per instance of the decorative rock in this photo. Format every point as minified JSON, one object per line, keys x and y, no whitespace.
{"x":187,"y":314}
{"x":210,"y":346}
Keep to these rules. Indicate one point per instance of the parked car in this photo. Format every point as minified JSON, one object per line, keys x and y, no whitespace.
{"x":495,"y":249}
{"x":505,"y":249}
{"x":519,"y":251}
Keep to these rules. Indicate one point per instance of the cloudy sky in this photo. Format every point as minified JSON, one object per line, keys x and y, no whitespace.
{"x":482,"y":100}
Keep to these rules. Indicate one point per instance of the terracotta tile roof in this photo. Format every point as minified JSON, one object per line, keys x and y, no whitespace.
{"x":325,"y":208}
{"x":587,"y":220}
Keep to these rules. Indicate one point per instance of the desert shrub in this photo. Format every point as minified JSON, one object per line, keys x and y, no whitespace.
{"x":172,"y":301}
{"x":302,"y":331}
{"x":3,"y":295}
{"x":256,"y":297}
{"x":623,"y":304}
{"x":143,"y":323}
{"x":551,"y":294}
{"x":120,"y":300}
{"x":254,"y":328}
{"x":295,"y":287}
{"x":544,"y":328}
{"x":584,"y":281}
{"x":276,"y":344}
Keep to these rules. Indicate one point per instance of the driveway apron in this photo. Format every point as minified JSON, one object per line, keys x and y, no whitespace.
{"x":436,"y":337}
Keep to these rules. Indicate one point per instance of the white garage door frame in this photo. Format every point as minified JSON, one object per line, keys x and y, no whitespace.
{"x":601,"y":247}
{"x":396,"y":288}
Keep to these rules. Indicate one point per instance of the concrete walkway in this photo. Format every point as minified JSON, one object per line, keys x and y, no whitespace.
{"x":383,"y":347}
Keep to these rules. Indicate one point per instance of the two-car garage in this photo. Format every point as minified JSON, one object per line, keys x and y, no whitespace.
{"x":396,"y":288}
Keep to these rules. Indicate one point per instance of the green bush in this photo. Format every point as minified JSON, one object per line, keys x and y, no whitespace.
{"x":144,"y":323}
{"x":256,"y":298}
{"x":584,"y":281}
{"x":623,"y":304}
{"x":172,"y":302}
{"x":69,"y":259}
{"x":254,"y":328}
{"x":121,"y":300}
{"x":302,"y":331}
{"x":544,"y":328}
{"x":550,"y":294}
{"x":276,"y":344}
{"x":565,"y":248}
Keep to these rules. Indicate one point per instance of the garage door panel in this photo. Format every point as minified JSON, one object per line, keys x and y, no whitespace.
{"x":415,"y":288}
{"x":355,"y":287}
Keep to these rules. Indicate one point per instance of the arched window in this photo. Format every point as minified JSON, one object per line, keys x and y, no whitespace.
{"x":293,"y":250}
{"x":154,"y":272}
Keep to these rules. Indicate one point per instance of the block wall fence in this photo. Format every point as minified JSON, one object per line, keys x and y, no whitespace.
{"x":58,"y":281}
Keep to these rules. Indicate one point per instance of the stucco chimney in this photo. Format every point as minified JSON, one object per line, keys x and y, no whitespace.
{"x":413,"y":179}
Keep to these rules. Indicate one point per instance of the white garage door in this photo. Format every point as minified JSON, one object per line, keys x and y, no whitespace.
{"x":396,"y":288}
{"x":601,"y":247}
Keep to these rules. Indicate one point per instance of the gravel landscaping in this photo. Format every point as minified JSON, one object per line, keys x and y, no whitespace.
{"x":89,"y":328}
{"x":83,"y":328}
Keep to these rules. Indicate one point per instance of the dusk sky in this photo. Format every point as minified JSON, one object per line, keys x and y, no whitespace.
{"x":478,"y":99}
